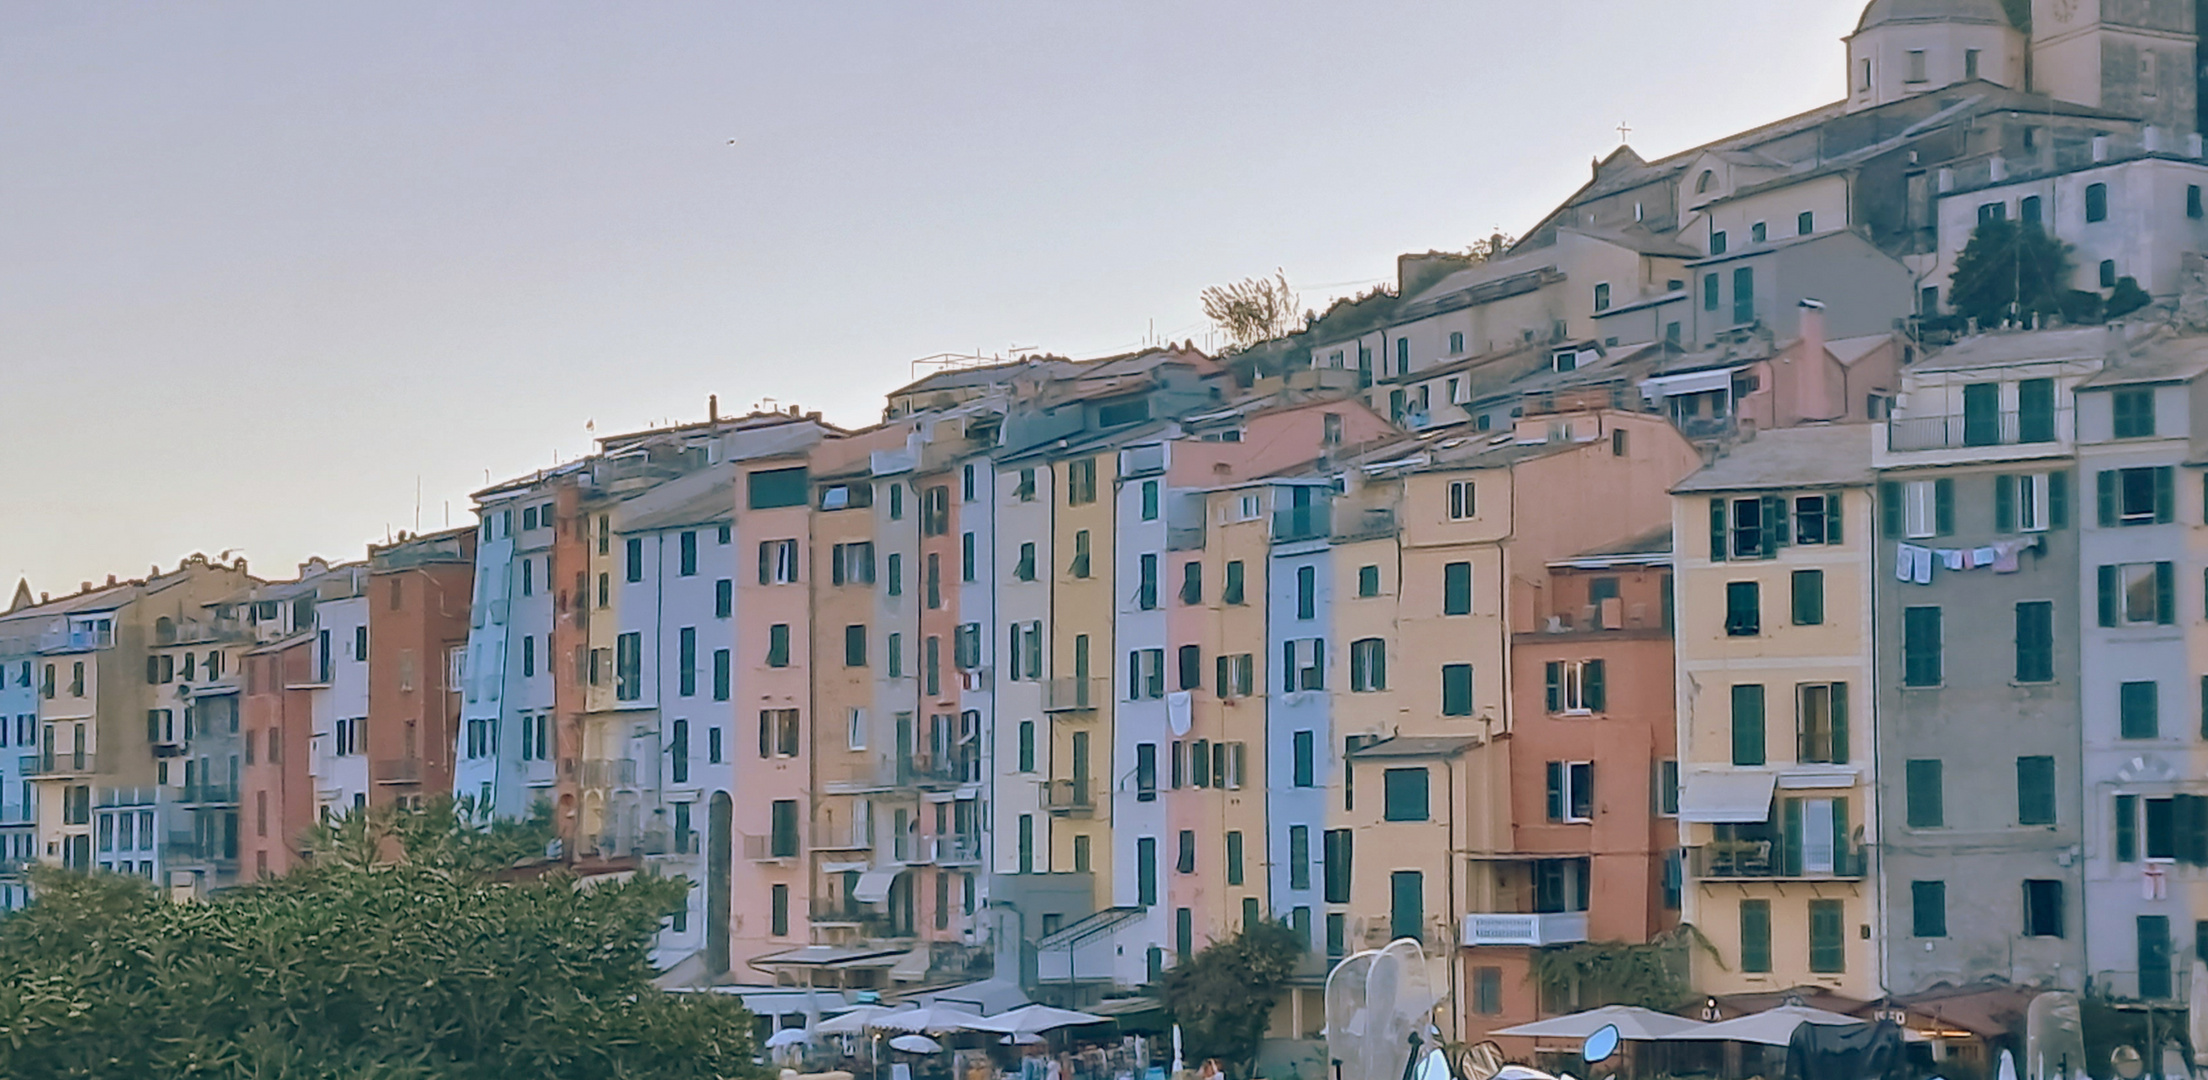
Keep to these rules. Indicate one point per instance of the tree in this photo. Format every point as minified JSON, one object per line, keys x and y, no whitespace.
{"x":1253,"y":310}
{"x":2007,"y":271}
{"x":1493,"y":247}
{"x":2126,"y":298}
{"x":1223,"y":996}
{"x":401,"y":951}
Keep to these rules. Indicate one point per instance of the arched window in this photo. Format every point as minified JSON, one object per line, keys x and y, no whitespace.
{"x":1705,"y":182}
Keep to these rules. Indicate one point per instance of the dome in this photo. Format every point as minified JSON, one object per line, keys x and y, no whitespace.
{"x":1882,"y":12}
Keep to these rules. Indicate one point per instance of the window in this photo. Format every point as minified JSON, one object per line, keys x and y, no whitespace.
{"x":1743,"y":609}
{"x":1709,"y":292}
{"x":1081,"y":482}
{"x":1970,"y":63}
{"x":2035,"y":641}
{"x":1805,"y":223}
{"x":935,"y":511}
{"x":1602,"y":296}
{"x":933,"y":586}
{"x":1080,"y":565}
{"x":1463,"y":500}
{"x":895,"y":568}
{"x":2154,"y":956}
{"x":1146,"y":586}
{"x":1232,"y":591}
{"x":2192,"y":202}
{"x":777,"y":562}
{"x":2031,"y":502}
{"x":2138,"y":710}
{"x":1809,"y":597}
{"x":2035,"y":790}
{"x":1571,"y":791}
{"x":2096,"y":202}
{"x":1145,"y":674}
{"x":1827,"y":937}
{"x":778,"y":645}
{"x":634,"y":564}
{"x":1403,"y":795}
{"x":1922,"y":508}
{"x":724,"y":598}
{"x":1718,"y":245}
{"x":1305,"y":764}
{"x":1456,"y":690}
{"x":1744,"y":296}
{"x":1821,"y":723}
{"x":1992,"y":211}
{"x":784,"y":831}
{"x":628,"y":672}
{"x":1368,"y":665}
{"x":1024,"y":569}
{"x":1237,"y":675}
{"x":2138,"y":594}
{"x":1368,"y":581}
{"x":854,"y":646}
{"x":1407,"y":904}
{"x":966,"y":557}
{"x":2108,"y":273}
{"x":1755,"y":936}
{"x":852,"y":564}
{"x":2043,"y":915}
{"x":2028,"y":209}
{"x":1402,"y":355}
{"x":1189,"y":660}
{"x":1921,"y":663}
{"x":1748,"y":724}
{"x":1307,"y":592}
{"x":778,"y":733}
{"x":2146,"y":496}
{"x":1916,"y":66}
{"x":1456,"y":588}
{"x":686,"y":654}
{"x":771,"y":488}
{"x":1575,"y":686}
{"x":1928,"y":908}
{"x":1186,"y":863}
{"x":1337,"y":855}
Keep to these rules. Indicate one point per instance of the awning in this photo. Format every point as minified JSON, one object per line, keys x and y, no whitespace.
{"x":873,"y":886}
{"x":1692,"y":382}
{"x":1732,"y":795}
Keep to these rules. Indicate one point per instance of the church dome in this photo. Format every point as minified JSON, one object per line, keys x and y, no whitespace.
{"x":1883,"y":12}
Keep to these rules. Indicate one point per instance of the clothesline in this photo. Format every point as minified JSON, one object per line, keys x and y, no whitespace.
{"x":1913,"y":563}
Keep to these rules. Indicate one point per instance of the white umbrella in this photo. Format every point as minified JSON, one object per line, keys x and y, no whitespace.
{"x":2008,"y":1067}
{"x":1771,"y":1027}
{"x":1029,"y":1019}
{"x":788,"y":1037}
{"x":1633,"y":1023}
{"x":1176,"y":1050}
{"x":853,"y":1022}
{"x":915,"y":1044}
{"x":1024,"y":1038}
{"x":931,"y":1018}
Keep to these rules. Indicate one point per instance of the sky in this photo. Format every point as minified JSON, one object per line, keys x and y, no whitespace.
{"x":282,"y":279}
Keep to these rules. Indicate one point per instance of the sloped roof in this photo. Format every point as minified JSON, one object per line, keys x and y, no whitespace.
{"x":1887,"y":12}
{"x":1817,"y":455}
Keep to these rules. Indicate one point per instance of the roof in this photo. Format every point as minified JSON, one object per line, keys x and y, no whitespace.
{"x":824,"y":955}
{"x":716,"y":503}
{"x":1417,"y":746}
{"x":1985,"y":1009}
{"x":1816,"y":997}
{"x":1656,"y":541}
{"x":1812,"y":456}
{"x":1850,"y":351}
{"x":1998,"y":348}
{"x":2160,"y":360}
{"x":1082,"y":929}
{"x":1888,"y":12}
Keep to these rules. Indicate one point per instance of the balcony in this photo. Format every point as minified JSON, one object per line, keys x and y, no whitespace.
{"x":210,"y":794}
{"x":954,"y":850}
{"x":1975,"y":429}
{"x":841,"y":838}
{"x":1366,"y":523}
{"x":850,"y":913}
{"x":924,"y":771}
{"x":600,"y":774}
{"x":1188,"y":538}
{"x":770,"y":848}
{"x":1071,"y":798}
{"x":398,"y":771}
{"x":1560,"y":928}
{"x":1075,"y":695}
{"x":1762,"y":860}
{"x":73,"y":763}
{"x":1303,"y":522}
{"x":183,"y":848}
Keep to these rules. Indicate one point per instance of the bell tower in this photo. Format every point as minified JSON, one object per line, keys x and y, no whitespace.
{"x":2133,"y":57}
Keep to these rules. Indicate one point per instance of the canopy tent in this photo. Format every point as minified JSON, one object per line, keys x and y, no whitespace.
{"x":789,"y":1037}
{"x":915,"y":1044}
{"x":929,"y":1018}
{"x":1033,"y":1019}
{"x":1772,"y":1027}
{"x":1634,"y":1023}
{"x":854,"y":1022}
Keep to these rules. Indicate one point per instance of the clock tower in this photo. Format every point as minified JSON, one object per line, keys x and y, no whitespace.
{"x":2133,"y":57}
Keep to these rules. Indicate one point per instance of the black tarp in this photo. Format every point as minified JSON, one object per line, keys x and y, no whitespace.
{"x":1845,"y":1052}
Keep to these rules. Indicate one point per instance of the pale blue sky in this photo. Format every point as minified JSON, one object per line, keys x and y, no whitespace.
{"x":262,"y":266}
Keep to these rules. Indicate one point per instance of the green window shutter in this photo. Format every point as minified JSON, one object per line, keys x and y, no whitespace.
{"x":1456,"y":690}
{"x":2004,"y":503}
{"x":1791,"y":838}
{"x":2204,"y":706}
{"x":1755,"y":936}
{"x":1926,"y":809}
{"x":1839,"y":723}
{"x":1889,"y":509}
{"x":1555,"y":688}
{"x":1556,"y":791}
{"x":1234,"y":857}
{"x":2105,"y":482}
{"x":1717,"y":530}
{"x":1828,"y":952}
{"x":2165,"y":593}
{"x":1832,"y":519}
{"x":1943,"y":505}
{"x":2165,"y":495}
{"x":1809,"y":597}
{"x":2035,"y":790}
{"x":2058,"y":499}
{"x":2127,"y":828}
{"x":1456,"y":598}
{"x":1841,"y":862}
{"x":2108,"y":595}
{"x":1591,"y":691}
{"x":1748,"y":727}
{"x":1773,"y":519}
{"x":1928,"y":908}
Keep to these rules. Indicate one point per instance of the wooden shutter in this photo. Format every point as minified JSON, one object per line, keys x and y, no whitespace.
{"x":2165,"y":593}
{"x":1790,"y":856}
{"x":2004,"y":503}
{"x":1832,"y":519}
{"x":1843,"y":864}
{"x":1943,"y":505}
{"x":2058,"y":499}
{"x":2108,"y":594}
{"x":1717,"y":530}
{"x":1556,"y":791}
{"x":1748,"y":725}
{"x":1555,"y":670}
{"x":1591,"y":689}
{"x":2105,"y":482}
{"x":1755,"y":935}
{"x":1889,"y":509}
{"x":1839,"y":707}
{"x":2165,"y":495}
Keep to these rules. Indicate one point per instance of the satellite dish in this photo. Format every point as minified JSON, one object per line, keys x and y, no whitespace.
{"x":1600,"y":1045}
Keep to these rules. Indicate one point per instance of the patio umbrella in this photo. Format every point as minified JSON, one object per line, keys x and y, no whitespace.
{"x":915,"y":1044}
{"x":789,"y":1037}
{"x":1029,"y":1019}
{"x":1633,"y":1022}
{"x":854,"y":1022}
{"x":931,"y":1018}
{"x":1024,"y":1038}
{"x":1771,"y":1027}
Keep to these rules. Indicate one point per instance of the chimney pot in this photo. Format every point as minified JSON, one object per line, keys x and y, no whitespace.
{"x":111,"y":579}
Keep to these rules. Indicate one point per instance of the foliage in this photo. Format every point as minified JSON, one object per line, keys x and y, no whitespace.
{"x":1253,"y":310}
{"x":2009,"y":270}
{"x":397,"y":953}
{"x":1223,"y":996}
{"x":2126,"y":298}
{"x":1491,"y":248}
{"x":1652,"y":975}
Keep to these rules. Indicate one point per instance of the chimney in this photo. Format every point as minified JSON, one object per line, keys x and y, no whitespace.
{"x":713,"y":408}
{"x":1812,"y":380}
{"x":110,"y":581}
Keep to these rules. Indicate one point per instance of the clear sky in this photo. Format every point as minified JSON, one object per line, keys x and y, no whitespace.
{"x":268,"y":269}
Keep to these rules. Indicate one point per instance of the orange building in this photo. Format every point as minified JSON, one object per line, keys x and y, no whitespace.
{"x":420,"y":590}
{"x":278,"y":715}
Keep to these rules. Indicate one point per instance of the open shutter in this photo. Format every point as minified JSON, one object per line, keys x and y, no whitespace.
{"x":1717,"y":530}
{"x":1555,"y":672}
{"x":1832,"y":519}
{"x":1556,"y":791}
{"x":2058,"y":499}
{"x":1839,"y":723}
{"x":1842,"y":863}
{"x":1943,"y":505}
{"x":2108,"y":593}
{"x":1591,"y":692}
{"x":1790,"y":859}
{"x":1889,"y":509}
{"x":2004,"y":503}
{"x":2165,"y":593}
{"x":2105,"y":482}
{"x":2165,"y":495}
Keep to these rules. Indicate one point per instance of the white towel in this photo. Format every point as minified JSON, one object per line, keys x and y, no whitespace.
{"x":1952,"y":557}
{"x":1177,"y":711}
{"x":1983,"y":557}
{"x":1922,"y":573}
{"x":1905,"y":561}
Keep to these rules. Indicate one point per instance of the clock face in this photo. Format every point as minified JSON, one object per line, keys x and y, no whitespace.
{"x":2065,"y":10}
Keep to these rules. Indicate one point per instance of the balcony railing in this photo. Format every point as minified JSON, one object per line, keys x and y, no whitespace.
{"x":1365,"y":523}
{"x":954,"y":850}
{"x":398,"y":771}
{"x":1075,"y":695}
{"x":186,"y":848}
{"x":1184,"y":538}
{"x":1974,"y":429}
{"x":924,"y":771}
{"x":1561,"y":928}
{"x":1302,"y":522}
{"x":609,"y":773}
{"x":65,"y":763}
{"x":219,"y":794}
{"x":1764,"y":860}
{"x":841,"y":838}
{"x":767,"y":849}
{"x":1072,"y":798}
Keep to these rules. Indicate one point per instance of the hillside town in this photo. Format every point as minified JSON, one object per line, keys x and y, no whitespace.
{"x":1706,"y":581}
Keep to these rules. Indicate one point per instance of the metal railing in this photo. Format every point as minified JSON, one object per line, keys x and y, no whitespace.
{"x":765,"y":848}
{"x":1070,"y":797}
{"x":1764,"y":860}
{"x":1189,"y":538}
{"x":1499,"y":928}
{"x":953,"y":850}
{"x":1303,"y":522}
{"x":609,"y":772}
{"x":1075,"y":694}
{"x":2007,"y":428}
{"x":210,"y":793}
{"x":66,"y":763}
{"x":398,"y":771}
{"x":844,"y":837}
